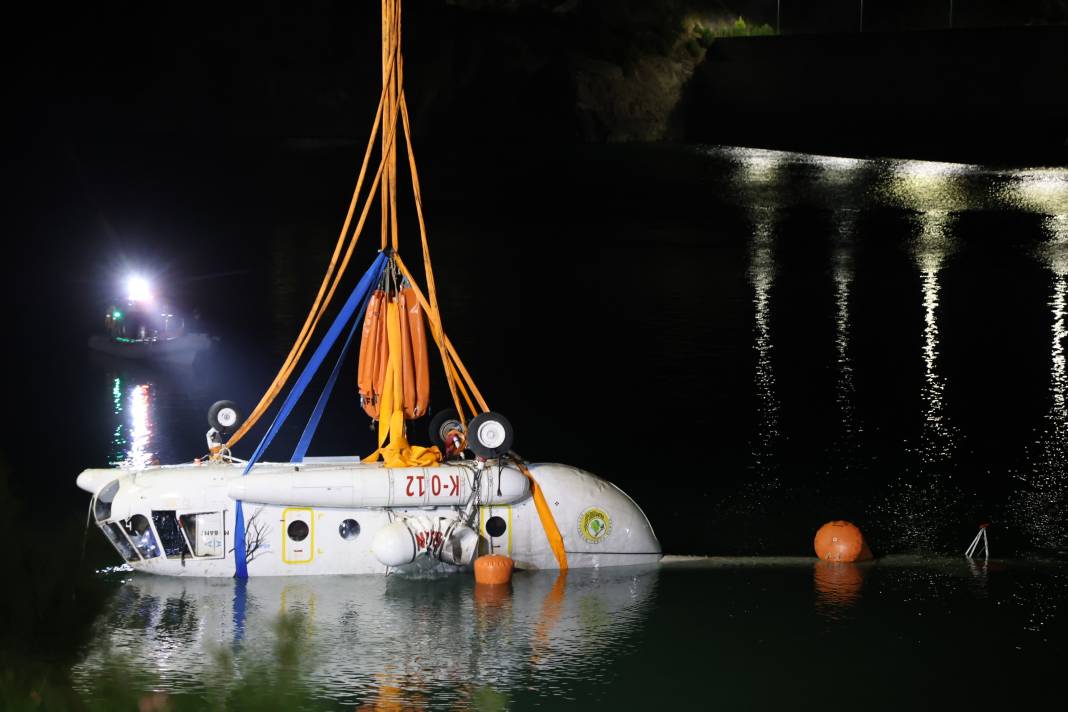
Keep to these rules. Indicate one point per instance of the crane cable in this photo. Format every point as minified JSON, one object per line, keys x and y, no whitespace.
{"x":391,"y":106}
{"x":320,"y":305}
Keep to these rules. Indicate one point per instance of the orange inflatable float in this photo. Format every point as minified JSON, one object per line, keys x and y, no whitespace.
{"x":493,"y":570}
{"x":416,"y":366}
{"x":374,"y":354}
{"x":841,"y":541}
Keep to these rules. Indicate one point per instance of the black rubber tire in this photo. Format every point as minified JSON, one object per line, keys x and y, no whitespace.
{"x":227,"y":411}
{"x":500,"y":430}
{"x":440,"y":425}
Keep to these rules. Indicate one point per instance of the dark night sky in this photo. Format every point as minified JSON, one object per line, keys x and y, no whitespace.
{"x":129,"y":115}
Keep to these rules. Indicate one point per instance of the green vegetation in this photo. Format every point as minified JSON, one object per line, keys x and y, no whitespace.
{"x":705,"y":33}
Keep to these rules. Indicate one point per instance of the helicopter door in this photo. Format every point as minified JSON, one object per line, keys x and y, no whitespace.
{"x":298,"y":535}
{"x":205,"y":533}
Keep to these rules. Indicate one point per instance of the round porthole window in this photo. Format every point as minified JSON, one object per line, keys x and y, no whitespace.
{"x":495,"y":526}
{"x":349,"y":529}
{"x":297,"y":530}
{"x":138,"y":524}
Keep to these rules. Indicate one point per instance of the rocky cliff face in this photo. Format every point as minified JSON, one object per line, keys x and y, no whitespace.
{"x":476,"y":70}
{"x":622,"y":66}
{"x":636,"y":102}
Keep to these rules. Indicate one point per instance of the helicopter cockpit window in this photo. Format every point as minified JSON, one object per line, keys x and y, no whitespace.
{"x":114,"y":534}
{"x":170,"y":535}
{"x":102,"y":504}
{"x":141,"y":535}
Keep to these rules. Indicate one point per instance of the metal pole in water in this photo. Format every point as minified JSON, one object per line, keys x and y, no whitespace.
{"x":981,"y":536}
{"x":951,"y":14}
{"x":778,"y":15}
{"x":861,"y":15}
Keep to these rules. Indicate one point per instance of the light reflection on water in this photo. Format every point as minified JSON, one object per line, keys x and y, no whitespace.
{"x":155,"y":413}
{"x":838,"y":586}
{"x":140,"y":456}
{"x":932,"y":248}
{"x":917,"y":500}
{"x":1042,"y":190}
{"x":842,"y":271}
{"x":762,"y":277}
{"x":376,"y":640}
{"x":132,"y":439}
{"x":929,"y":186}
{"x":590,"y":637}
{"x":1044,"y":498}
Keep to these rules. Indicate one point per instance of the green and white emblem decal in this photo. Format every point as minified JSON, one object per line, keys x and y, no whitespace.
{"x":594,"y":525}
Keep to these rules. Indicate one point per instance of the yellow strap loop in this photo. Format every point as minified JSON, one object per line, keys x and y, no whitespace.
{"x":440,"y":337}
{"x":548,"y":522}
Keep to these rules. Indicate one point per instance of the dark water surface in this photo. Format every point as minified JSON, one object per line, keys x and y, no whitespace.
{"x":767,"y":633}
{"x":748,"y":342}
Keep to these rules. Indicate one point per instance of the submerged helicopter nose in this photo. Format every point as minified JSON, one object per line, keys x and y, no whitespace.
{"x":92,"y":480}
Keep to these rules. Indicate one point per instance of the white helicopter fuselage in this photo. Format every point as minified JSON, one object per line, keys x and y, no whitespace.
{"x":317,"y":518}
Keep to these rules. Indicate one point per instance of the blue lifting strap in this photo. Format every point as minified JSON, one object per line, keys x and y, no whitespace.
{"x":355,"y":299}
{"x":328,"y":389}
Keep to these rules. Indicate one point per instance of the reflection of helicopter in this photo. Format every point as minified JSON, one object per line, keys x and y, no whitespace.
{"x":142,"y":328}
{"x":426,"y":638}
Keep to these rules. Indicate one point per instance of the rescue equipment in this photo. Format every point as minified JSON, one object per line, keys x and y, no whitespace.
{"x":493,"y":570}
{"x":393,"y":374}
{"x":400,"y":542}
{"x":375,"y":350}
{"x":841,"y":541}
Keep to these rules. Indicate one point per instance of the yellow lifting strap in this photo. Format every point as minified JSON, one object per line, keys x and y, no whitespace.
{"x":548,"y":522}
{"x":397,"y":453}
{"x":450,"y":357}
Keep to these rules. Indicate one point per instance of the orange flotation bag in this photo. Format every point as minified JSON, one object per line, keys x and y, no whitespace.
{"x":416,"y":365}
{"x":374,"y":355}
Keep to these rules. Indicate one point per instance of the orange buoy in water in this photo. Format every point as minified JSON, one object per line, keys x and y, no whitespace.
{"x":493,"y":569}
{"x":841,"y":541}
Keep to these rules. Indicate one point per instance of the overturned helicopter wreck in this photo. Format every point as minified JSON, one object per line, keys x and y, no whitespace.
{"x":405,"y":508}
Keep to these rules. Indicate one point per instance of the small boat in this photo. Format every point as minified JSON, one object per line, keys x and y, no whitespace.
{"x":146,"y":330}
{"x":404,"y":508}
{"x":181,"y":349}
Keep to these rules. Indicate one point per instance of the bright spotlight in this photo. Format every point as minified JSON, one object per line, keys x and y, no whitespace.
{"x":138,"y":289}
